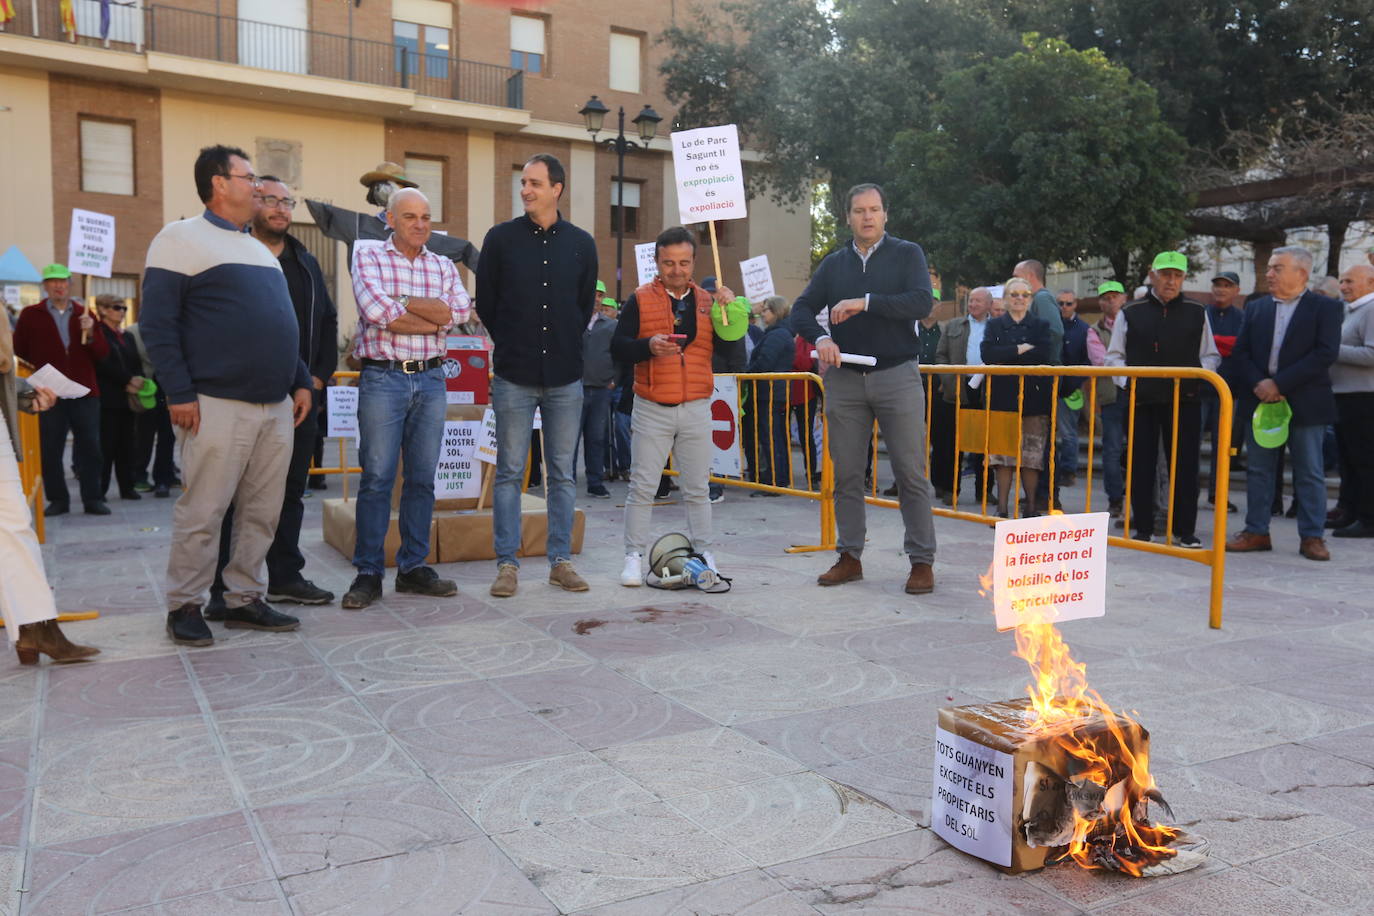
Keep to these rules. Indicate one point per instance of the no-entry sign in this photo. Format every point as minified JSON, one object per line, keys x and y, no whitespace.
{"x":725,"y":427}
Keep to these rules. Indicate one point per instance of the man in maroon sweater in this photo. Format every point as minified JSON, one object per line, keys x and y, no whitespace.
{"x":59,"y":331}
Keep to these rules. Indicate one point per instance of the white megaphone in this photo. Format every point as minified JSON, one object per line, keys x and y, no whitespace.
{"x":677,"y":565}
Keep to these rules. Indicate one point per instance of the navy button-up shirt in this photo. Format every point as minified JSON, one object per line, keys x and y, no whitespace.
{"x":535,"y":290}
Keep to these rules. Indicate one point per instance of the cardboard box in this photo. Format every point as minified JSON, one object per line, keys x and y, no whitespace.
{"x":455,"y":535}
{"x":341,"y":533}
{"x":1002,"y":791}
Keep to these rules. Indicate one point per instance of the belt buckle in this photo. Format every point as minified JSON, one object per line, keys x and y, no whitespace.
{"x":412,"y":366}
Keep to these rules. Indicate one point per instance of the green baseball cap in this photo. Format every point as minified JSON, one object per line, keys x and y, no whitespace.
{"x":600,"y":286}
{"x":610,"y":303}
{"x":1075,"y":400}
{"x":56,"y":272}
{"x":147,"y":395}
{"x":1170,"y":260}
{"x":1270,"y":423}
{"x":1111,"y":286}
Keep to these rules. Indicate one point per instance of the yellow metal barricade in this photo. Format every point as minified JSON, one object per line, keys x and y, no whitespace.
{"x":30,"y":457}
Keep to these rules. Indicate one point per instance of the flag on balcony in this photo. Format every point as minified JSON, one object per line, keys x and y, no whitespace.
{"x":68,"y":19}
{"x":6,"y":11}
{"x":104,"y":18}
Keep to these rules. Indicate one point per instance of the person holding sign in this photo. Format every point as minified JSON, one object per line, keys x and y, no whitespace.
{"x":218,"y":323}
{"x":60,"y":332}
{"x":408,"y":298}
{"x":874,"y":290}
{"x":535,"y":285}
{"x":663,"y":332}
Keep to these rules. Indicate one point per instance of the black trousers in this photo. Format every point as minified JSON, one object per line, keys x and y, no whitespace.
{"x":1153,"y":421}
{"x":156,"y":443}
{"x":118,"y":448}
{"x":765,"y":433}
{"x":1355,"y":442}
{"x":284,"y":559}
{"x":806,"y":414}
{"x":942,"y":465}
{"x":80,"y":417}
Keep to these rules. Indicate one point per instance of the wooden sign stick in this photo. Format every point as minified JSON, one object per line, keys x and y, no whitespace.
{"x":715,"y":256}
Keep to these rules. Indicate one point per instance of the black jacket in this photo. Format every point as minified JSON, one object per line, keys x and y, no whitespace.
{"x":1310,"y":345}
{"x":1000,"y":340}
{"x":318,"y":318}
{"x":117,"y":368}
{"x":1164,"y":334}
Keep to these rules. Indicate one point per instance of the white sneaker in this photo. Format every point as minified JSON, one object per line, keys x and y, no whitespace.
{"x":710,"y":559}
{"x":632,"y":576}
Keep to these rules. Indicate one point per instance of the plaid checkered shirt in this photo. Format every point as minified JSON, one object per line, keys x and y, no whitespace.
{"x":381,"y":274}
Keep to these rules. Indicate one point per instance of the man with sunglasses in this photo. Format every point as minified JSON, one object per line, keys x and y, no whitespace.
{"x":318,"y":323}
{"x":218,"y":323}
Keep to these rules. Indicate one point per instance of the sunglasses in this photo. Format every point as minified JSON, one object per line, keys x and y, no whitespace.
{"x":117,"y":308}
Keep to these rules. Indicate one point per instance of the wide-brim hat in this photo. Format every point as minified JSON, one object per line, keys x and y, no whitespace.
{"x":387,"y":171}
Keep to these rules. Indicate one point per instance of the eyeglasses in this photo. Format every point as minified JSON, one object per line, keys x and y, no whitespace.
{"x":271,"y":201}
{"x":251,"y":179}
{"x":117,"y":308}
{"x":1066,"y":305}
{"x":1018,"y":295}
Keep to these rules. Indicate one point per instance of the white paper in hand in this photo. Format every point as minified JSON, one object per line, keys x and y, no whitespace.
{"x":63,"y":387}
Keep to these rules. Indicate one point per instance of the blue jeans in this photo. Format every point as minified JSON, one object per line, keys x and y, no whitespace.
{"x":1309,"y":482}
{"x":596,"y":419}
{"x":622,"y":441}
{"x":561,"y":411}
{"x":1113,"y":447}
{"x":1066,"y":452}
{"x":398,"y":415}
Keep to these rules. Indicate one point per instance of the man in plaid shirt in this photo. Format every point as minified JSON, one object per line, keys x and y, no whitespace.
{"x":408,"y":298}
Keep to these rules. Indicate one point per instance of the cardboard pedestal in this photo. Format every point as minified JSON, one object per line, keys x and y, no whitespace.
{"x":455,"y":534}
{"x":1000,"y":788}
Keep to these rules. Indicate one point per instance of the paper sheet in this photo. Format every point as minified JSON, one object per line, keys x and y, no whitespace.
{"x":63,"y":387}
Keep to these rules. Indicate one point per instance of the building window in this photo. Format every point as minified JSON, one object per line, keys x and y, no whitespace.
{"x":625,"y":64}
{"x":107,"y":156}
{"x":703,"y":232}
{"x":414,"y":42}
{"x":631,"y":207}
{"x":429,"y":175}
{"x":517,"y":206}
{"x":527,"y":43}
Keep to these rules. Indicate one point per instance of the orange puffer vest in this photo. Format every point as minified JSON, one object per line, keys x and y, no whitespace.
{"x":681,"y":378}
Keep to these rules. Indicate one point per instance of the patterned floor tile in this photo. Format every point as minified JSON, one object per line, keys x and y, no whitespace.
{"x":369,"y":822}
{"x":105,"y":695}
{"x":249,"y":728}
{"x":801,"y":689}
{"x":751,"y":893}
{"x":144,"y":867}
{"x":302,"y":685}
{"x":438,"y":705}
{"x":618,"y":855}
{"x":542,"y":792}
{"x":1333,"y":871}
{"x":299,"y":771}
{"x":1307,"y":778}
{"x":1232,"y":891}
{"x":900,"y":780}
{"x":788,"y":817}
{"x":471,"y":745}
{"x":830,"y":736}
{"x":696,"y":761}
{"x":468,"y":877}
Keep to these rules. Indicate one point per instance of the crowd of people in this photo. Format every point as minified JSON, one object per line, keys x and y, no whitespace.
{"x":236,"y":342}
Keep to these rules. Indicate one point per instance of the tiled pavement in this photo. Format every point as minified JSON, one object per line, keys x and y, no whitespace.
{"x":765,"y":752}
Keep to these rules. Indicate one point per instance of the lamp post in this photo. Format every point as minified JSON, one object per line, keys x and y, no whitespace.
{"x":646,"y":122}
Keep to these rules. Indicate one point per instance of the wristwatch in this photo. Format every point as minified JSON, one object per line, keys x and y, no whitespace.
{"x":403,"y":301}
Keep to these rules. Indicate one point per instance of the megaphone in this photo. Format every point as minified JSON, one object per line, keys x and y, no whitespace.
{"x":677,"y":565}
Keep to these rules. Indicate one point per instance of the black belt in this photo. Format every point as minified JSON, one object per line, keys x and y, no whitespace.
{"x":408,"y":366}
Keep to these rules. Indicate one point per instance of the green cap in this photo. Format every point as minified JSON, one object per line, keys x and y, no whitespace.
{"x":1074,"y":401}
{"x":737,"y":310}
{"x":1170,"y":260}
{"x":1270,"y":423}
{"x":147,"y":395}
{"x":610,"y":303}
{"x":935,"y":294}
{"x":600,"y":286}
{"x":1111,"y":286}
{"x":56,"y":272}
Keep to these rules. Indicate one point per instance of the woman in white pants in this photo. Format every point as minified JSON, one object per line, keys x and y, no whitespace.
{"x":25,"y":599}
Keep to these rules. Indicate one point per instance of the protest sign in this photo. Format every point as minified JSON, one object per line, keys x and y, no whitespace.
{"x":341,"y":407}
{"x":725,"y":452}
{"x":758,"y":278}
{"x":486,"y":439}
{"x":710,"y":178}
{"x":91,"y":245}
{"x":970,"y":806}
{"x":1049,"y":569}
{"x":644,"y":261}
{"x":457,"y":476}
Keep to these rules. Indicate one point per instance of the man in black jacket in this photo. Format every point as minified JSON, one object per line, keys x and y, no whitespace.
{"x":874,"y":290}
{"x":319,"y":329}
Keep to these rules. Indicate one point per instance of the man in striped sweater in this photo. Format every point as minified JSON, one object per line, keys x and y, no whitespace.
{"x":220,"y":328}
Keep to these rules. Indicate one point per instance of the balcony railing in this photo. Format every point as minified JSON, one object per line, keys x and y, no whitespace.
{"x":228,"y":39}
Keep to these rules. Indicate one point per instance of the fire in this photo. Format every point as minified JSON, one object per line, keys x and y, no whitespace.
{"x":1108,"y":779}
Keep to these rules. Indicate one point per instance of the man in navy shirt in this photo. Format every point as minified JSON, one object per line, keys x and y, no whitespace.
{"x":1225,"y":316}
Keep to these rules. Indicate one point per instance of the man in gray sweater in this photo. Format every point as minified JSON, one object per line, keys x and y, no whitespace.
{"x":1352,"y":379}
{"x":598,"y":388}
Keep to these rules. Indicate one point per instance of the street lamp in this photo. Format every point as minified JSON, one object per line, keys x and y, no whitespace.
{"x":646,"y":122}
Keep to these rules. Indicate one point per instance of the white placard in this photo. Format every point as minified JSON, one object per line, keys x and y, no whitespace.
{"x":91,"y":245}
{"x":1049,"y":568}
{"x":710,"y":179}
{"x":758,"y":278}
{"x":486,"y":440}
{"x":456,"y":475}
{"x":51,"y":377}
{"x":725,"y":445}
{"x":644,"y":261}
{"x":341,"y":407}
{"x":970,"y":804}
{"x":12,"y":296}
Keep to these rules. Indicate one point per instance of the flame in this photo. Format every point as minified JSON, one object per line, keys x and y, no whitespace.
{"x":1114,"y":833}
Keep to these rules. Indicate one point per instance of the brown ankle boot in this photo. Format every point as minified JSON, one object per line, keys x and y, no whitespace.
{"x":921,"y":581}
{"x":846,"y":569}
{"x":46,"y":637}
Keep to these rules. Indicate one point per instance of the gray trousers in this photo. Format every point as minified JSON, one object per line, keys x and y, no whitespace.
{"x":685,"y":430}
{"x":894,"y":397}
{"x":240,"y":456}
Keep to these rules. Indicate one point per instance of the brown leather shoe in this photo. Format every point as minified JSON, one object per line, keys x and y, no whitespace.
{"x":1248,"y":542}
{"x":921,"y":581}
{"x":846,"y":569}
{"x":565,"y":577}
{"x":1314,"y":549}
{"x":506,"y":581}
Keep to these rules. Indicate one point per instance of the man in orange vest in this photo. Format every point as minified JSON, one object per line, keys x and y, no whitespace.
{"x":669,"y":329}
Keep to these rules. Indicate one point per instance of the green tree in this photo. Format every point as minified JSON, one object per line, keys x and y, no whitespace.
{"x":1048,"y":153}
